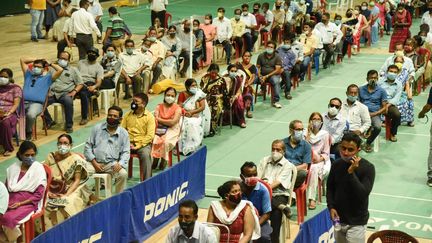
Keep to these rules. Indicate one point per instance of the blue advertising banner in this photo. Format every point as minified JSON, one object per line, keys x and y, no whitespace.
{"x":155,"y":201}
{"x":102,"y":222}
{"x":318,"y":229}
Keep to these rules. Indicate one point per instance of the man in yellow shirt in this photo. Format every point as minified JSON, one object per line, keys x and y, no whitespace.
{"x":140,"y":124}
{"x":239,"y":29}
{"x":309,"y":42}
{"x":37,"y":8}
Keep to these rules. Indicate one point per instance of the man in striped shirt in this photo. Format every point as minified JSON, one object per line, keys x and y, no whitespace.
{"x":115,"y":33}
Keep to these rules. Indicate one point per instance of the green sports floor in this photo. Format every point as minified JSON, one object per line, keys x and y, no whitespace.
{"x":400,"y":198}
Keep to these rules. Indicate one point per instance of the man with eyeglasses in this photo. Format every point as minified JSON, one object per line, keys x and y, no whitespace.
{"x":37,"y":81}
{"x":335,"y":125}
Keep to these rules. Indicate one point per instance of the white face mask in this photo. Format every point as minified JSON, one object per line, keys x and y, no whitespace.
{"x":63,"y":149}
{"x":193,"y":90}
{"x":169,"y":99}
{"x":276,"y":156}
{"x":3,"y":81}
{"x":333,"y":111}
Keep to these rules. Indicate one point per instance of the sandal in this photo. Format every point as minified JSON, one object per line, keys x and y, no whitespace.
{"x":7,"y":153}
{"x":243,"y":125}
{"x":249,"y":114}
{"x":393,"y":138}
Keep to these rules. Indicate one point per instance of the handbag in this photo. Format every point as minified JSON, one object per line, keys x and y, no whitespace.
{"x":58,"y":186}
{"x":161,"y":130}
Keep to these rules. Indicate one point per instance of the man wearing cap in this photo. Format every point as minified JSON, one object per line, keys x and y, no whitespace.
{"x":83,"y":25}
{"x":92,"y":74}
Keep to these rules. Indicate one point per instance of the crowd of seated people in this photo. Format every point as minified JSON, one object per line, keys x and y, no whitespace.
{"x":292,"y":37}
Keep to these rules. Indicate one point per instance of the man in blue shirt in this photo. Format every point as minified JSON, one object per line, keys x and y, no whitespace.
{"x":422,"y":114}
{"x":375,"y":98}
{"x":108,"y":148}
{"x":288,"y":61}
{"x":394,"y":92}
{"x":37,"y":82}
{"x":257,"y":193}
{"x":298,"y":151}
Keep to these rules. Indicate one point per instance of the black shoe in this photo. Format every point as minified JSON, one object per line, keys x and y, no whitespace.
{"x":34,"y":39}
{"x":182,"y":75}
{"x":69,"y":130}
{"x":293,"y":202}
{"x":288,"y":96}
{"x":429,"y":182}
{"x":49,"y":125}
{"x":325,"y":67}
{"x":285,"y":210}
{"x":127,"y":96}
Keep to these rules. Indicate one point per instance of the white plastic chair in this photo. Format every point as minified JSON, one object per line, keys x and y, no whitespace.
{"x":215,"y":228}
{"x":108,"y":184}
{"x":285,"y":232}
{"x":57,"y":106}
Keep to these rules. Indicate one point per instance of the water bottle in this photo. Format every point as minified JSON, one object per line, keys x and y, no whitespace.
{"x":337,"y":225}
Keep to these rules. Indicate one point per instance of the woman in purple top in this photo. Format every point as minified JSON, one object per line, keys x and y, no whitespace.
{"x":26,"y":182}
{"x":10,"y":100}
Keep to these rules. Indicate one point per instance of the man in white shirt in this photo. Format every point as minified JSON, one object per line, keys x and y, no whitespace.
{"x":148,"y":57}
{"x":224,"y":32}
{"x":158,"y":10}
{"x":407,"y":64}
{"x":158,"y":50}
{"x":251,"y":24}
{"x":268,"y":17}
{"x":189,"y":229}
{"x":277,"y":171}
{"x":427,"y":16}
{"x":335,"y":125}
{"x":330,"y":35}
{"x":355,"y":112}
{"x":67,"y":34}
{"x":83,"y":25}
{"x":133,"y":65}
{"x":96,"y":10}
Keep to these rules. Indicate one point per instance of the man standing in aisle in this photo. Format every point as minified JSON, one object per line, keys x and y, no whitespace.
{"x":349,"y":184}
{"x":83,"y":25}
{"x":422,"y":114}
{"x":158,"y":10}
{"x":37,"y":9}
{"x":96,"y":10}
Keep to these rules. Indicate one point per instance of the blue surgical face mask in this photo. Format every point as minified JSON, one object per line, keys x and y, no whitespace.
{"x":193,"y":90}
{"x":152,"y":38}
{"x":62,"y":63}
{"x":298,"y":135}
{"x":391,"y":76}
{"x":110,"y":54}
{"x":269,"y":51}
{"x":129,"y":51}
{"x":232,"y":74}
{"x":352,"y":98}
{"x":338,"y":22}
{"x":286,"y":46}
{"x":28,"y":160}
{"x":37,"y":70}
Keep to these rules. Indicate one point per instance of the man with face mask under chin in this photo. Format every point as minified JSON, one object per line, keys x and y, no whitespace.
{"x":189,"y":229}
{"x":277,"y":172}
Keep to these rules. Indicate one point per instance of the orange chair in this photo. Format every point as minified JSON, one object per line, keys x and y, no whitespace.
{"x":295,"y":82}
{"x":269,"y":189}
{"x":301,"y":199}
{"x":391,"y":236}
{"x":42,"y":115}
{"x":168,"y":19}
{"x":130,"y":166}
{"x":29,"y":229}
{"x":387,"y":123}
{"x":265,"y":37}
{"x":269,"y":91}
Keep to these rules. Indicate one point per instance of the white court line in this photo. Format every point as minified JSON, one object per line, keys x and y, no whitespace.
{"x":372,"y":210}
{"x":287,"y":122}
{"x":373,"y":193}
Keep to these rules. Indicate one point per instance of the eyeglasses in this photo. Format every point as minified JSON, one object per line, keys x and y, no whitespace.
{"x":33,"y":82}
{"x":336,"y":106}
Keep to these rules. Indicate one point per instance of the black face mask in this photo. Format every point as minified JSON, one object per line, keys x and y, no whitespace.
{"x":112,"y":122}
{"x":255,"y":10}
{"x":91,"y":57}
{"x":134,"y":106}
{"x":172,"y":35}
{"x":349,"y":15}
{"x":186,"y":226}
{"x":430,"y":10}
{"x":186,"y":29}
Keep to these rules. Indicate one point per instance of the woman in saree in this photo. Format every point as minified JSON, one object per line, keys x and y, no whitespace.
{"x":361,"y":26}
{"x":401,"y":24}
{"x":236,"y":104}
{"x":320,"y":141}
{"x":10,"y":114}
{"x":406,"y":103}
{"x":168,"y":119}
{"x":210,"y":34}
{"x":196,"y":121}
{"x":26,"y":182}
{"x":250,"y":70}
{"x":68,"y":193}
{"x":216,"y":89}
